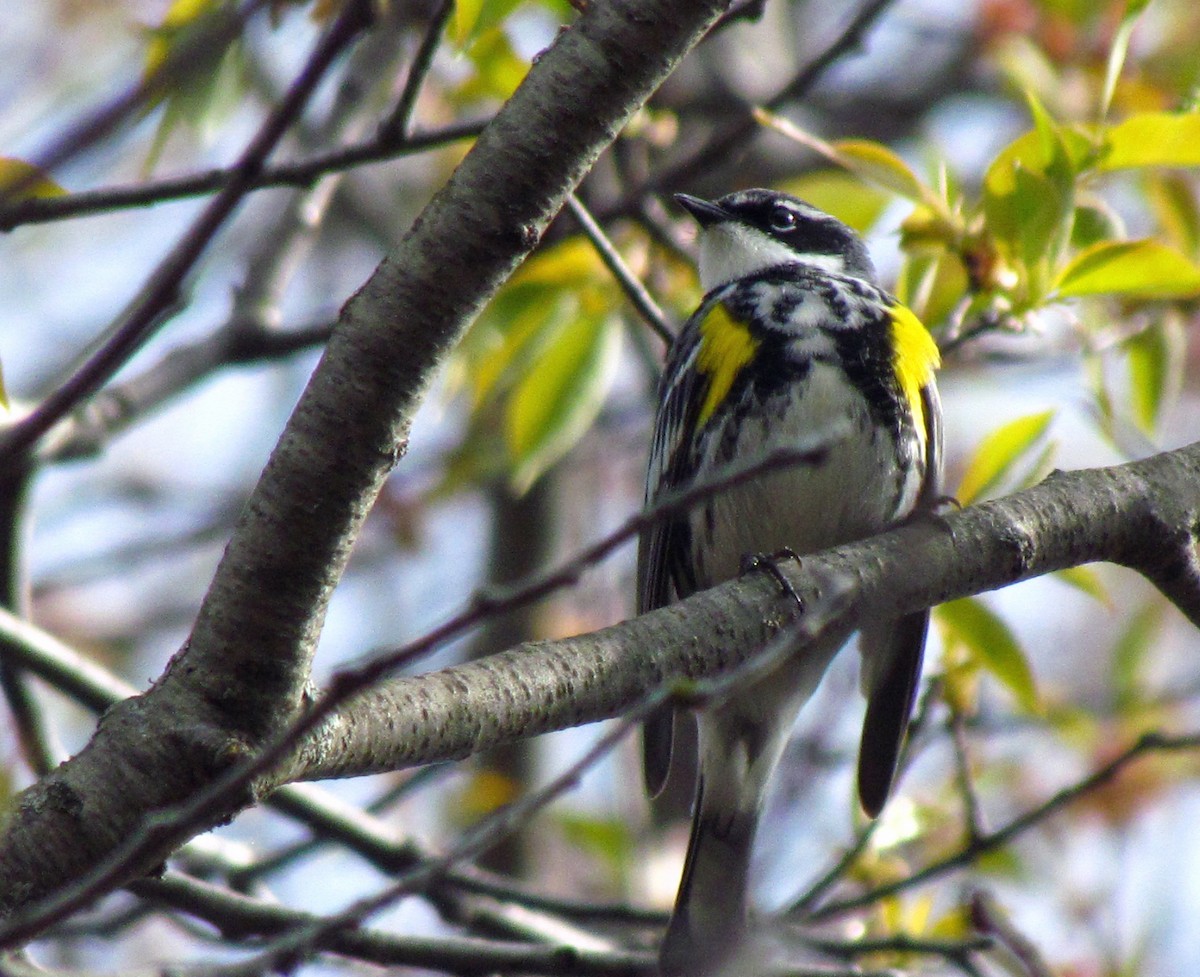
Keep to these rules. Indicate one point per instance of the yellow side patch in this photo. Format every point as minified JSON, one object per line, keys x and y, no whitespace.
{"x":725,"y":347}
{"x":917,"y":357}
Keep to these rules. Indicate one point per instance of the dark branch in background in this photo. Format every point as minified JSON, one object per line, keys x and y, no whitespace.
{"x":300,"y":173}
{"x":634,"y":290}
{"x":241,"y":918}
{"x":395,"y":127}
{"x":161,"y":292}
{"x":989,"y":918}
{"x":303,"y":941}
{"x":330,"y":819}
{"x":33,"y":733}
{"x":730,"y":142}
{"x":199,"y":807}
{"x":983,"y":844}
{"x":122,"y":404}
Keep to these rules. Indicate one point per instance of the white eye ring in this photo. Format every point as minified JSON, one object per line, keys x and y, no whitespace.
{"x":783,"y":219}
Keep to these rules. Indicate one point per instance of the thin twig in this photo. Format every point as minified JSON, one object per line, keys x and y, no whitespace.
{"x":34,"y":735}
{"x":300,"y":173}
{"x":240,"y":918}
{"x":730,"y":141}
{"x":1148,"y":743}
{"x":634,"y":290}
{"x":972,"y":810}
{"x":394,"y":128}
{"x":300,"y":943}
{"x":991,"y":920}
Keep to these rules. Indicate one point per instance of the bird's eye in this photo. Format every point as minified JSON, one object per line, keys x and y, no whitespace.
{"x":782,"y":219}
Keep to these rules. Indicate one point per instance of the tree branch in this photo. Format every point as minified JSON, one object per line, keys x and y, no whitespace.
{"x":1129,"y":514}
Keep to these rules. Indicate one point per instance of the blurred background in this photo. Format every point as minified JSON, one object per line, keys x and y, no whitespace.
{"x":533,"y":442}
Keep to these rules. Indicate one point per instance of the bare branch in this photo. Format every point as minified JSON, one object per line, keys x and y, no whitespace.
{"x":1071,"y":519}
{"x":634,"y":290}
{"x":300,"y":173}
{"x":394,"y":128}
{"x":983,"y":844}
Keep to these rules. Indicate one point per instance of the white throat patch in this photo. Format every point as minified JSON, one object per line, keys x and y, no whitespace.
{"x":731,"y":250}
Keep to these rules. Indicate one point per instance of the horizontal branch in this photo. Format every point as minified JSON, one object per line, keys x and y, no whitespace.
{"x":1141,"y":515}
{"x":297,"y":173}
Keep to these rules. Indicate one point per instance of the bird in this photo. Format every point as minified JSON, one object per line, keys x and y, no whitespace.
{"x":792,"y":337}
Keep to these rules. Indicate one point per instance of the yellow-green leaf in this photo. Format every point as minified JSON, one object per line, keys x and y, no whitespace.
{"x":1117,"y":52}
{"x":1086,"y":581}
{"x":1093,"y":224}
{"x":1029,"y":190}
{"x":841,"y":194}
{"x":986,"y":635}
{"x":1156,"y":359}
{"x":1153,"y":139}
{"x":472,"y":17}
{"x":499,"y":69}
{"x":875,"y":162}
{"x":608,"y":838}
{"x":1144,"y":269}
{"x":999,"y":452}
{"x":556,"y":401}
{"x":1172,"y":198}
{"x":1129,"y":653}
{"x":179,"y":15}
{"x":868,"y":160}
{"x":21,"y":181}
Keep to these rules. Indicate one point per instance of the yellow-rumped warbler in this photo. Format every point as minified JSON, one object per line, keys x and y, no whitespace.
{"x":792,"y":337}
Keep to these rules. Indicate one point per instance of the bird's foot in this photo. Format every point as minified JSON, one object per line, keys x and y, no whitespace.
{"x":769,"y":563}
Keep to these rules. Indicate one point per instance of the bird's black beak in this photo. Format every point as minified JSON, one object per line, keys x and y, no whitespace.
{"x":705,"y":212}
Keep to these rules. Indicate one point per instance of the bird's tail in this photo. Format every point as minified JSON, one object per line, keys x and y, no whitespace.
{"x":741,"y":742}
{"x":710,"y":910}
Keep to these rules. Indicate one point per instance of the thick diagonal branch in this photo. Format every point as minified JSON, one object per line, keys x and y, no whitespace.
{"x":241,"y":675}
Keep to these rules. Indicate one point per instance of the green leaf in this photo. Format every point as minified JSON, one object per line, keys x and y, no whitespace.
{"x":998,"y":454}
{"x":932,"y":285}
{"x":875,"y":162}
{"x":22,"y":181}
{"x":1129,"y":653}
{"x":609,"y":838}
{"x":1144,"y":269}
{"x":1118,"y":51}
{"x":499,"y":69}
{"x":472,"y":17}
{"x":1172,"y":197}
{"x":1152,"y":139}
{"x":841,"y":194}
{"x":986,"y":635}
{"x":1093,"y":224}
{"x":556,"y":401}
{"x":868,"y":160}
{"x":1029,"y":190}
{"x":1156,"y":357}
{"x":1086,"y":581}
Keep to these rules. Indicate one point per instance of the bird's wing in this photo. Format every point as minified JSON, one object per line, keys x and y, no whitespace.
{"x":892,"y":651}
{"x":663,"y":568}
